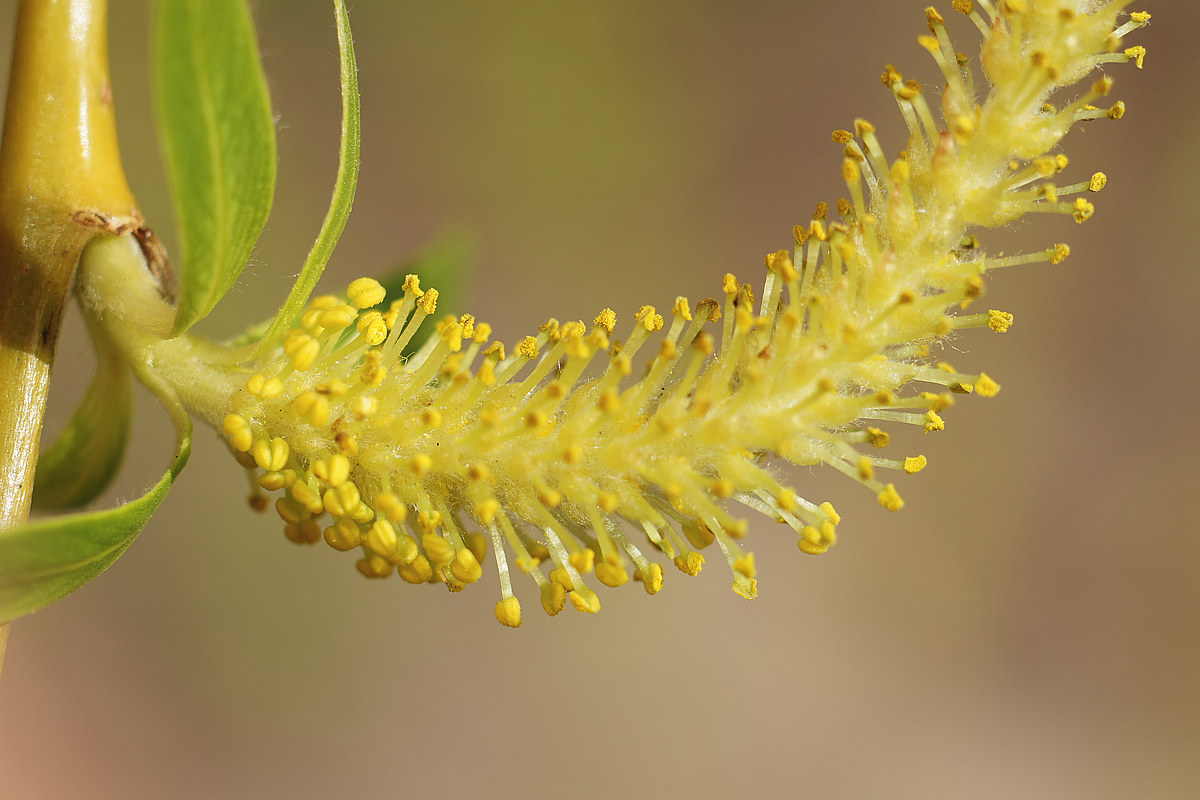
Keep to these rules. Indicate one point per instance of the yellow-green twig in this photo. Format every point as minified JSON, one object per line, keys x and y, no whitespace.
{"x":61,"y":182}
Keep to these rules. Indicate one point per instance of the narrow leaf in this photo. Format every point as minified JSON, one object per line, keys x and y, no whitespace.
{"x":43,"y":561}
{"x":218,"y":137}
{"x":343,"y":189}
{"x":86,"y":455}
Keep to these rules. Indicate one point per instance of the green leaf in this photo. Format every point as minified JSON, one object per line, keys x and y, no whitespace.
{"x":43,"y":561}
{"x":218,"y":137}
{"x":343,"y":190}
{"x":86,"y":455}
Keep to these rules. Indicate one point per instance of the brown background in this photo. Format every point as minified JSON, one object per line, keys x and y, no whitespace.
{"x":1029,"y":627}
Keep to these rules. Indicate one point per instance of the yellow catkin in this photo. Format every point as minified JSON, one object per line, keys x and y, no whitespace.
{"x":590,"y":453}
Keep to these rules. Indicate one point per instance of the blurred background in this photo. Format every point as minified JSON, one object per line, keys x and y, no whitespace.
{"x":1028,"y":627}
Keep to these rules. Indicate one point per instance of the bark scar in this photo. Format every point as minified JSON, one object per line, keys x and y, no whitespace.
{"x":157,"y":260}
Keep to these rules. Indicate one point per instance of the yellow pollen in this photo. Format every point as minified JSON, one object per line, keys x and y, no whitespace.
{"x":985,"y":386}
{"x":611,"y":572}
{"x":437,"y":549}
{"x":372,"y":566}
{"x":653,"y":581}
{"x":583,"y":560}
{"x":865,"y":470}
{"x":419,"y":571}
{"x":691,"y":564}
{"x":999,"y":321}
{"x":312,"y":406}
{"x":584,"y":600}
{"x":850,"y":171}
{"x":554,"y":598}
{"x":365,"y":292}
{"x":681,"y":309}
{"x":271,"y":455}
{"x":372,"y":327}
{"x":745,"y":587}
{"x":275,"y":480}
{"x":343,"y":535}
{"x":382,"y":539}
{"x":305,"y":353}
{"x":606,"y":319}
{"x":337,"y":317}
{"x":561,"y":577}
{"x":914,"y":464}
{"x":1137,"y":54}
{"x":429,"y":521}
{"x":465,"y":566}
{"x":323,"y":303}
{"x":487,"y":510}
{"x":241,"y":437}
{"x":290,"y":511}
{"x":373,"y":372}
{"x":1083,"y":210}
{"x":306,"y":496}
{"x":809,"y":548}
{"x":343,"y":500}
{"x":508,"y":612}
{"x":335,"y":471}
{"x":390,"y":506}
{"x":528,"y":347}
{"x":263,"y":387}
{"x":889,"y":498}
